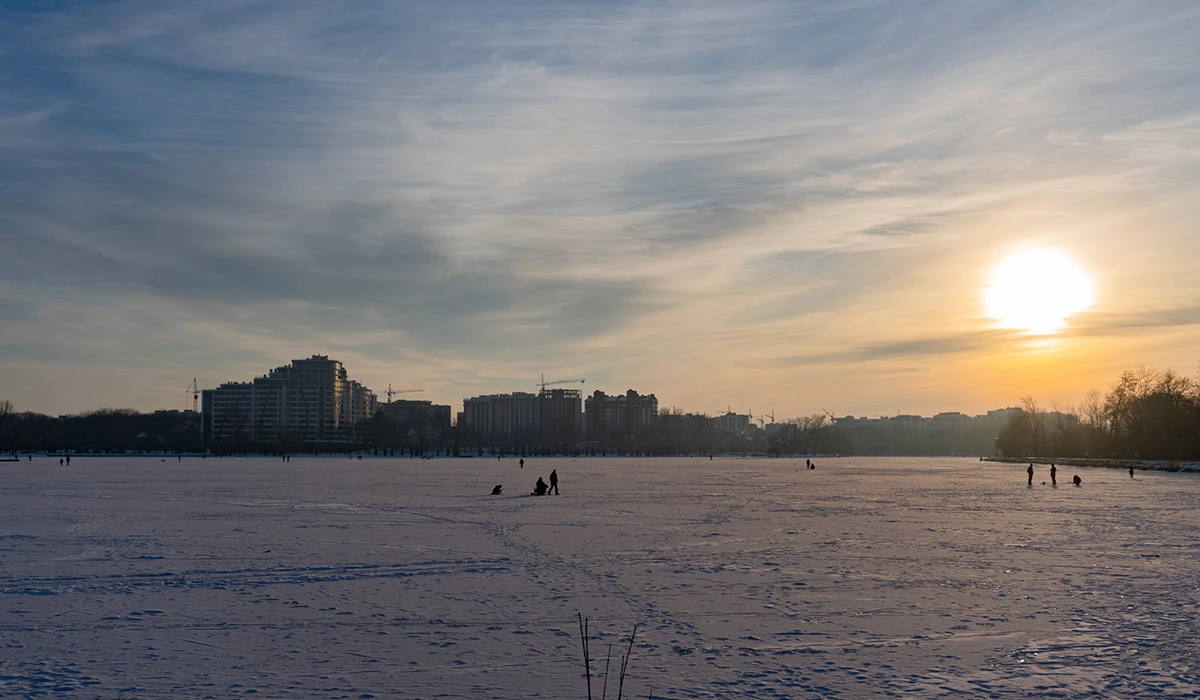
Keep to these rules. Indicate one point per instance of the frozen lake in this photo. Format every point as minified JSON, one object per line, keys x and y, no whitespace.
{"x":398,"y":578}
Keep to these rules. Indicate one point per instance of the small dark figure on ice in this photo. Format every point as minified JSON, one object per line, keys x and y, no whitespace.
{"x":539,"y":489}
{"x":1131,"y":471}
{"x":523,"y":465}
{"x":1077,"y":480}
{"x":1029,"y":471}
{"x":554,"y":481}
{"x":1053,"y":477}
{"x":496,"y":489}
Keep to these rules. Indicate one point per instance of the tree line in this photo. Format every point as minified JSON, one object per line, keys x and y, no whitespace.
{"x":1148,"y":413}
{"x":103,"y":430}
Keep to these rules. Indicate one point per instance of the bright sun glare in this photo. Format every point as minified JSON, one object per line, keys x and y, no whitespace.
{"x":1036,"y":291}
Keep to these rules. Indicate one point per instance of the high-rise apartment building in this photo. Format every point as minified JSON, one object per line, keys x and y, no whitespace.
{"x":560,"y":417}
{"x":552,"y":418}
{"x":423,"y":418}
{"x":499,"y":419}
{"x":614,"y":419}
{"x":306,"y":402}
{"x":731,"y":422}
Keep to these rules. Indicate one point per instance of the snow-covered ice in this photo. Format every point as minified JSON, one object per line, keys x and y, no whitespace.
{"x":398,"y":578}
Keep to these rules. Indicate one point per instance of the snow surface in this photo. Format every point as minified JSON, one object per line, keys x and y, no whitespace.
{"x":398,"y":578}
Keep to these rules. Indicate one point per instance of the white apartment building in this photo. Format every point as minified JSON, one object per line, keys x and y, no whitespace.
{"x":307,"y":401}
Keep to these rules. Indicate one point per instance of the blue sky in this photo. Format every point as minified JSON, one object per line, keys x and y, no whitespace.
{"x":774,"y":206}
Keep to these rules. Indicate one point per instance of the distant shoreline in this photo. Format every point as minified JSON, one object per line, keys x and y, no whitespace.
{"x":1138,"y":464}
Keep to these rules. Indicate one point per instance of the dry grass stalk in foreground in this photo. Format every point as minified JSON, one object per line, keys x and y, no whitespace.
{"x":587,"y":661}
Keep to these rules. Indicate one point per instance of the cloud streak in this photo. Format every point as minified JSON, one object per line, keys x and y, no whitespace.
{"x":488,"y":191}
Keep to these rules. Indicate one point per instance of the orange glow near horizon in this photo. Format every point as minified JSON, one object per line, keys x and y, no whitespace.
{"x":1036,"y":291}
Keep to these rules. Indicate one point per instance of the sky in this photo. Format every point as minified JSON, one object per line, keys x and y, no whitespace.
{"x":775,"y":207}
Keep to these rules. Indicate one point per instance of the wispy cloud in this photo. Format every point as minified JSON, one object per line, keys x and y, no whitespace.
{"x":920,"y":349}
{"x":474,"y":192}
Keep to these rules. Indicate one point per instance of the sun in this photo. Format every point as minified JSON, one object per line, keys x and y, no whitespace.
{"x":1036,"y":291}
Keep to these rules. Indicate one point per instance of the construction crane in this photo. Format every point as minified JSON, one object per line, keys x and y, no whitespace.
{"x":543,"y":384}
{"x":762,"y":420}
{"x":194,"y":390}
{"x":392,"y":392}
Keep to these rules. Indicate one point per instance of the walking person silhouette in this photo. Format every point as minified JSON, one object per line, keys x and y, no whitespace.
{"x":1030,"y":472}
{"x":554,"y":481}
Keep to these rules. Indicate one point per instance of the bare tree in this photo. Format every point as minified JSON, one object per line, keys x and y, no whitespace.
{"x":1035,"y":423}
{"x":1091,"y":410}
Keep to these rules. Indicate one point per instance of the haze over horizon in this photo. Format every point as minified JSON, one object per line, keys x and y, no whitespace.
{"x":773,"y":206}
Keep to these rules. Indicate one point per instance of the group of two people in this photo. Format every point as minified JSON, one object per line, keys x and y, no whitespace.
{"x":541,"y":489}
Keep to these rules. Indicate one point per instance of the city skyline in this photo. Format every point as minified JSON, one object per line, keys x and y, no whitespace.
{"x":268,"y":386}
{"x":314,"y":404}
{"x":787,"y":207}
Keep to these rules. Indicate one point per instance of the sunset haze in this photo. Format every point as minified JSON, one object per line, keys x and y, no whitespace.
{"x":783,"y":207}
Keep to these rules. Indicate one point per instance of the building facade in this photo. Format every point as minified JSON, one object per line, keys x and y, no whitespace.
{"x":418,"y":419}
{"x":610,"y":420}
{"x":499,"y":419}
{"x":552,"y":419}
{"x":731,"y":422}
{"x":305,"y":403}
{"x":560,"y":418}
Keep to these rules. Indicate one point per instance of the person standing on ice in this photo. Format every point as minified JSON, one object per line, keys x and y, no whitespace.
{"x":1131,"y":471}
{"x":1030,"y":472}
{"x":523,"y":465}
{"x":1053,"y":471}
{"x":554,"y":481}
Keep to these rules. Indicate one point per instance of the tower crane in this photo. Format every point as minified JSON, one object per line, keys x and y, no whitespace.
{"x":194,"y":390}
{"x":392,"y":392}
{"x":543,"y":384}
